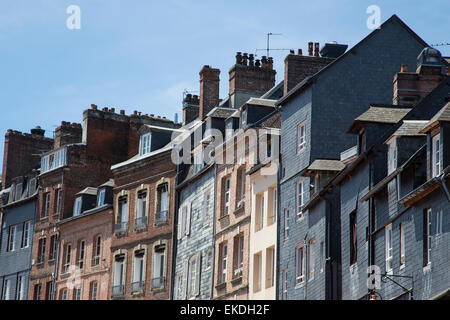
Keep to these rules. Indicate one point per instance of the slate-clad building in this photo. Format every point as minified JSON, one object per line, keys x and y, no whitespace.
{"x":315,"y":116}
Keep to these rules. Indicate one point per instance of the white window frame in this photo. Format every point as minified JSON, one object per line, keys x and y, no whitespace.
{"x":436,"y":156}
{"x":286,"y":224}
{"x":145,"y":143}
{"x":101,"y":197}
{"x":141,"y":206}
{"x":300,"y":265}
{"x":67,"y":257}
{"x":12,"y":236}
{"x":20,"y":294}
{"x":428,"y":240}
{"x":311,"y":258}
{"x":81,"y":253}
{"x":26,"y":233}
{"x":94,"y":289}
{"x":402,"y":244}
{"x":388,"y":248}
{"x":226,"y":209}
{"x":223,"y":262}
{"x":300,"y":197}
{"x":439,"y":217}
{"x":77,"y":206}
{"x":46,"y":205}
{"x":301,"y":136}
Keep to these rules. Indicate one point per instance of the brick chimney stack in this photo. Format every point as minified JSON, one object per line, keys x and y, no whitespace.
{"x":209,"y":90}
{"x":190,"y":108}
{"x":250,"y":78}
{"x":411,"y":87}
{"x":67,"y":133}
{"x":297,"y":66}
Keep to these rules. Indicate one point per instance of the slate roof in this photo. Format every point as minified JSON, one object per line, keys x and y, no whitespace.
{"x":442,"y":115}
{"x":411,"y":128}
{"x":379,"y":114}
{"x":326,"y":165}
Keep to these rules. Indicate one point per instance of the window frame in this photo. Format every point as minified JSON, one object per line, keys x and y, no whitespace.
{"x":300,"y":264}
{"x":301,"y":136}
{"x":300,"y":197}
{"x":145,"y":143}
{"x":436,"y":167}
{"x":388,"y":245}
{"x":12,"y":242}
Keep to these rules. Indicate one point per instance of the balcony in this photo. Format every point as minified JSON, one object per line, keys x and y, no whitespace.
{"x":137,"y":287}
{"x":158,"y":283}
{"x":121,"y":227}
{"x":161,"y":217}
{"x":117,"y":290}
{"x":140,"y":223}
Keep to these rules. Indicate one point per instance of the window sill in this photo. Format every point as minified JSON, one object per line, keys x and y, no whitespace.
{"x":402,"y":267}
{"x":427,"y":268}
{"x":236,"y":280}
{"x":221,"y":218}
{"x":239,"y":210}
{"x":221,"y":286}
{"x":300,"y":285}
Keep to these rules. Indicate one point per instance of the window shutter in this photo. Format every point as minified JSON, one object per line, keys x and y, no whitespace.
{"x":188,"y":220}
{"x":197,"y":285}
{"x":184,"y":285}
{"x":180,"y":221}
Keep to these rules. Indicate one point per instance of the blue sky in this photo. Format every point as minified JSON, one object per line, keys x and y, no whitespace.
{"x":141,"y":54}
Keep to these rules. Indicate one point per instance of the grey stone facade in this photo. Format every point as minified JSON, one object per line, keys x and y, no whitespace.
{"x":18,"y":262}
{"x":329,"y":101}
{"x":198,"y":194}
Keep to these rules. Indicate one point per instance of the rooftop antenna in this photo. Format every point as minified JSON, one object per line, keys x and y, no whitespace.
{"x":268,"y":41}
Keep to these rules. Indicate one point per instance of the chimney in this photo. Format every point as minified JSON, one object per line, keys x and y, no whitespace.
{"x":190,"y":108}
{"x":316,"y":49}
{"x":67,"y":133}
{"x":411,"y":87}
{"x":297,"y":67}
{"x":22,"y":153}
{"x":251,"y":79}
{"x":310,"y":48}
{"x":209,"y":90}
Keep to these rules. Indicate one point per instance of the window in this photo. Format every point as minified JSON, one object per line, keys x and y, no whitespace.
{"x":26,"y":234}
{"x":353,"y":238}
{"x":209,"y":258}
{"x":77,"y":293}
{"x":54,"y":160}
{"x":67,"y":256}
{"x":179,"y":287}
{"x":101,"y":197}
{"x":81,"y":253}
{"x":286,"y":224}
{"x":311,"y":257}
{"x":322,"y":255}
{"x":158,"y":280}
{"x":439,"y":216}
{"x":63,"y":294}
{"x":259,"y":221}
{"x":272,"y":216}
{"x":32,"y":186}
{"x":37,"y":291}
{"x":18,"y":192}
{"x":144,"y":144}
{"x":301,"y":189}
{"x":77,"y":207}
{"x":193,"y":276}
{"x":402,"y":244}
{"x":96,"y":252}
{"x":284,"y":285}
{"x":162,"y":198}
{"x":138,"y":271}
{"x":41,"y":249}
{"x":299,"y":265}
{"x":46,"y":205}
{"x":238,"y":255}
{"x":184,"y":220}
{"x":93,"y":290}
{"x":223,"y":263}
{"x":20,"y":294}
{"x":240,"y":190}
{"x":58,"y":201}
{"x":388,"y":247}
{"x":436,"y":156}
{"x":6,"y":289}
{"x":226,"y":197}
{"x":198,"y":161}
{"x":12,"y":238}
{"x":257,"y":271}
{"x":122,"y":215}
{"x":49,"y":291}
{"x":141,"y":210}
{"x":392,"y":157}
{"x":205,"y":207}
{"x":52,"y":249}
{"x":301,"y":136}
{"x":427,"y":237}
{"x":270,"y":267}
{"x":119,"y":275}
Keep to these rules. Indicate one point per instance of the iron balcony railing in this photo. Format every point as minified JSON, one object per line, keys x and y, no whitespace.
{"x":118,"y":290}
{"x":158,"y":282}
{"x":161,"y":216}
{"x":137,"y":286}
{"x":140,"y":223}
{"x":121,"y":227}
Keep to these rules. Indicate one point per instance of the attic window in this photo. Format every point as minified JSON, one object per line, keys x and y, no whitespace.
{"x":101,"y":198}
{"x":77,"y":207}
{"x":18,"y":192}
{"x":32,"y":186}
{"x":144,"y":146}
{"x":54,"y":160}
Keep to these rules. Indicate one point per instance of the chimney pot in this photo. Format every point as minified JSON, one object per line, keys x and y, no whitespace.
{"x":135,"y":112}
{"x":251,"y":59}
{"x":245,"y":58}
{"x":238,"y":58}
{"x":113,"y":110}
{"x":122,"y":112}
{"x":93,"y":107}
{"x":300,"y":53}
{"x":291,"y":51}
{"x":404,"y":68}
{"x":258,"y":63}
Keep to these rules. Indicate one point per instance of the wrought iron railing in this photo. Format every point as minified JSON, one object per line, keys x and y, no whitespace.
{"x":120,"y":227}
{"x":161,"y":216}
{"x":140,"y":223}
{"x":118,"y":290}
{"x":158,"y":282}
{"x":137,"y":286}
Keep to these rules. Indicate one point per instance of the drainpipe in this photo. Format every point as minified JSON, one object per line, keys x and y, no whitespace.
{"x":213,"y":254}
{"x":328,"y":261}
{"x":55,"y":272}
{"x":305,"y":287}
{"x":279,"y":211}
{"x":370,"y":222}
{"x":174,"y":238}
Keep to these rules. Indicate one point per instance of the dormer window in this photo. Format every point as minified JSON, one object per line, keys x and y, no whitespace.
{"x":32,"y":186}
{"x":392,"y":157}
{"x":18,"y":192}
{"x":229,"y":128}
{"x":436,"y":156}
{"x":77,"y":207}
{"x":54,"y":160}
{"x":101,"y":197}
{"x":144,"y":146}
{"x":198,"y":161}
